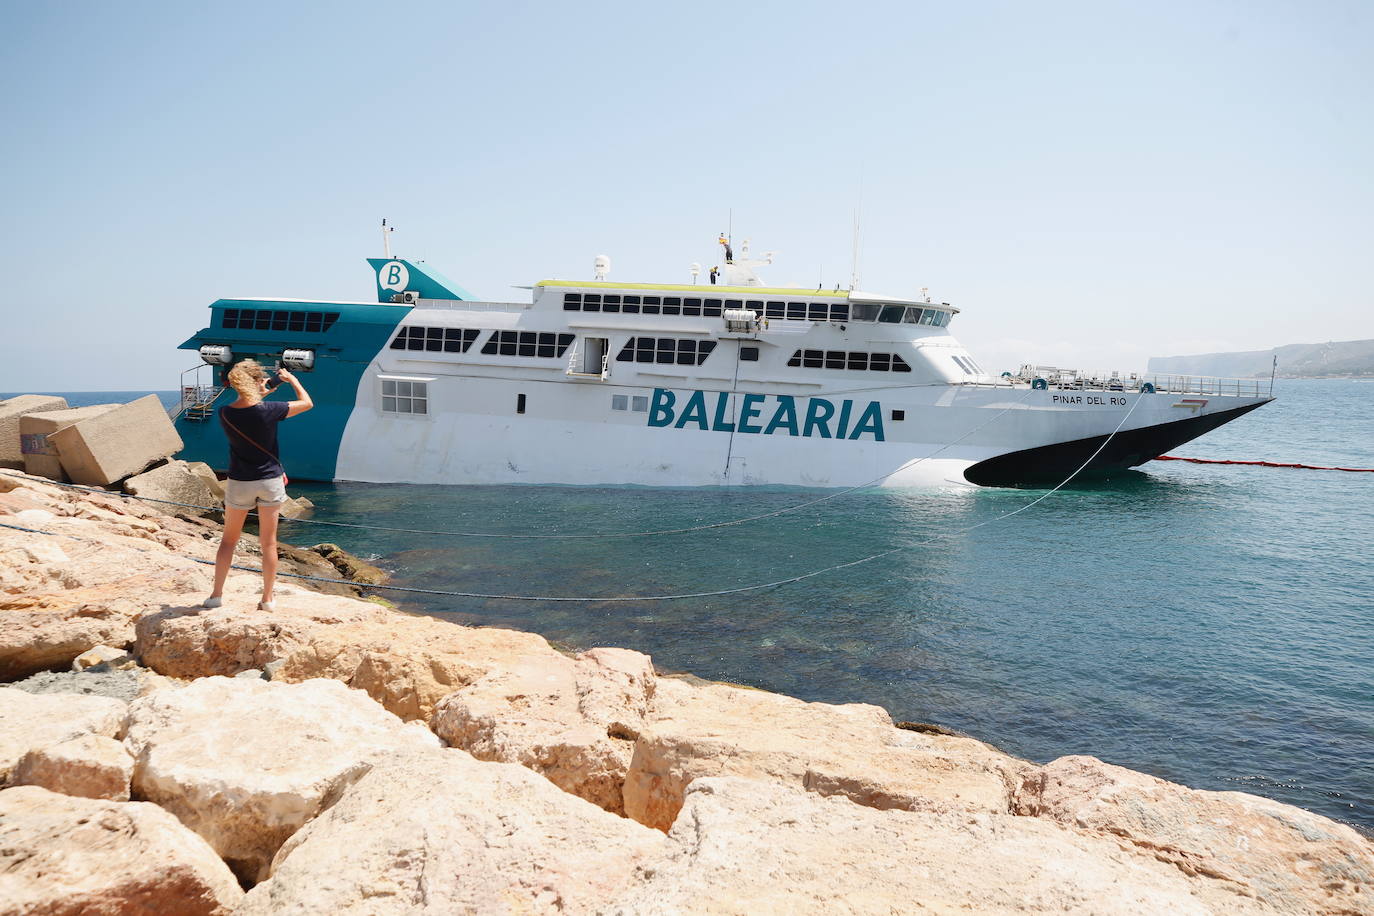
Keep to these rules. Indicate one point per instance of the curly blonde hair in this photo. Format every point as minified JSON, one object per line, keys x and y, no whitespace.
{"x":246,"y":378}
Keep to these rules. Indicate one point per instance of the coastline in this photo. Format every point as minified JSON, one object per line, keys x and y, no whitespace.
{"x":612,"y":787}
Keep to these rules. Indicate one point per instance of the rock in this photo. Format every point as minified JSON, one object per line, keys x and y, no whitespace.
{"x":88,"y":766}
{"x":106,"y":656}
{"x":573,"y":721}
{"x":99,"y":450}
{"x":62,"y":856}
{"x":11,"y":454}
{"x":246,"y":763}
{"x":441,"y":833}
{"x":36,"y":429}
{"x":29,"y":721}
{"x":747,"y":846}
{"x":122,"y":684}
{"x":296,"y":507}
{"x":251,"y":674}
{"x":349,"y":566}
{"x":852,"y":750}
{"x":192,"y":484}
{"x":407,"y":663}
{"x":1281,"y":856}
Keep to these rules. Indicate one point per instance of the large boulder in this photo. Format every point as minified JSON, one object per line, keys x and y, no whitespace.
{"x":11,"y":410}
{"x":97,"y":451}
{"x":179,"y":485}
{"x":405,"y":662}
{"x":572,"y":720}
{"x":245,"y":763}
{"x":30,"y":721}
{"x":1281,"y":856}
{"x":852,"y":750}
{"x":62,"y":856}
{"x":440,"y":832}
{"x":36,"y":432}
{"x":748,"y":846}
{"x":88,"y":766}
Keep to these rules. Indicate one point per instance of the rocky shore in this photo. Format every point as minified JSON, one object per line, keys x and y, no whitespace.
{"x":337,"y":756}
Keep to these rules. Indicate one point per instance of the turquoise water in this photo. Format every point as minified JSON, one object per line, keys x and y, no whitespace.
{"x":1210,"y":625}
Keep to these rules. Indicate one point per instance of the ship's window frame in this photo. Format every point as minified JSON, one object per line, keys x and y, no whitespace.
{"x":864,"y":311}
{"x":749,"y":354}
{"x":796,"y":311}
{"x":400,"y":396}
{"x":775,"y":309}
{"x":527,"y":344}
{"x":667,"y":351}
{"x":891,"y":314}
{"x":620,"y":402}
{"x":639,"y":403}
{"x":572,"y":302}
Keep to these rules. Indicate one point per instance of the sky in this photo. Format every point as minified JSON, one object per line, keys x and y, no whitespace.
{"x":1091,"y":183}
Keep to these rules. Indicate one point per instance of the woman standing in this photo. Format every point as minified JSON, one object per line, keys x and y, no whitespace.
{"x":256,"y":477}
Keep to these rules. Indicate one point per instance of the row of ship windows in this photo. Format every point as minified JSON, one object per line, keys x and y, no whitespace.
{"x":842,"y":359}
{"x":666,"y":350}
{"x":712,"y":308}
{"x":277,"y":320}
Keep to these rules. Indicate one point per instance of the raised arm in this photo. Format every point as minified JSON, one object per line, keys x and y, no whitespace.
{"x":302,"y":403}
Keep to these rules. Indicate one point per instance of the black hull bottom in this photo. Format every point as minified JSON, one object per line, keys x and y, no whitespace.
{"x":1050,"y":464}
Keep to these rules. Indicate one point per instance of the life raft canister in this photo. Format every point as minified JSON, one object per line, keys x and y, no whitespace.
{"x":1040,"y":384}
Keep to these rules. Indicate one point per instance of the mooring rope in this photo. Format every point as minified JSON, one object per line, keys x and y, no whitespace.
{"x":573,"y":537}
{"x":1264,"y":464}
{"x":674,"y":597}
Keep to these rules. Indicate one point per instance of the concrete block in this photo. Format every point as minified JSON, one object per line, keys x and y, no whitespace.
{"x":100,"y":450}
{"x":179,"y":482}
{"x":36,"y":431}
{"x":11,"y":454}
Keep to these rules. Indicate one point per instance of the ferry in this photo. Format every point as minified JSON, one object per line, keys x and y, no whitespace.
{"x":593,"y":382}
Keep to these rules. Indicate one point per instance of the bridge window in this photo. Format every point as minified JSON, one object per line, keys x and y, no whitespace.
{"x":435,"y":340}
{"x":527,"y":343}
{"x":274,"y":320}
{"x":666,"y":350}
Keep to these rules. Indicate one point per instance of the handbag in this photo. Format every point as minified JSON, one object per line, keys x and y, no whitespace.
{"x":225,"y":420}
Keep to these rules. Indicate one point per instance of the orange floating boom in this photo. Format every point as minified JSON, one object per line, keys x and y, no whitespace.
{"x":1264,"y":464}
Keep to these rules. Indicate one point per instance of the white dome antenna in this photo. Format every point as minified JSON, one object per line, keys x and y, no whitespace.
{"x":601,"y":266}
{"x":695,"y":270}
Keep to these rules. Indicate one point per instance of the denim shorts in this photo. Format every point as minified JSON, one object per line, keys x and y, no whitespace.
{"x":249,"y":494}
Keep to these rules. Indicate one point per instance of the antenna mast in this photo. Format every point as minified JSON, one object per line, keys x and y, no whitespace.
{"x":858,"y":211}
{"x":386,"y":239}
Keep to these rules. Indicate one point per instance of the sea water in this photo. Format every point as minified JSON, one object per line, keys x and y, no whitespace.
{"x":1211,"y":625}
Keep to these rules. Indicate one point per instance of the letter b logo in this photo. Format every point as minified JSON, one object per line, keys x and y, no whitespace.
{"x":393,"y":275}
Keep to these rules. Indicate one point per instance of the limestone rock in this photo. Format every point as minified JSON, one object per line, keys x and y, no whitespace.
{"x":746,"y":846}
{"x":11,"y":455}
{"x":349,"y":566}
{"x":29,"y":721}
{"x":88,"y":766}
{"x":1281,"y":856}
{"x":193,"y":484}
{"x":36,"y":432}
{"x":108,"y":656}
{"x":407,"y":663}
{"x":440,"y":832}
{"x":63,"y":856}
{"x":852,"y":750}
{"x":574,"y":721}
{"x":245,"y":763}
{"x":296,"y":507}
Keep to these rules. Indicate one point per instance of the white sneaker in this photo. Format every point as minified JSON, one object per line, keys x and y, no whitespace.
{"x":212,"y":602}
{"x":266,"y":606}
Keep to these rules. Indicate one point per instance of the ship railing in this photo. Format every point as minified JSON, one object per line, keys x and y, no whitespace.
{"x":1079,"y":380}
{"x":576,"y":369}
{"x":198,"y":395}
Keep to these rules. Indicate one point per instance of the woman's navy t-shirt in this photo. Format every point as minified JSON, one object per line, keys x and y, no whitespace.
{"x":257,"y":423}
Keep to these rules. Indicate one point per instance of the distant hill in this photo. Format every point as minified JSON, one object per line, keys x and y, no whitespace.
{"x":1324,"y":360}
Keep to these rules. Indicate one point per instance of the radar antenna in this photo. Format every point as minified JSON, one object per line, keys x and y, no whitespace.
{"x":386,"y":238}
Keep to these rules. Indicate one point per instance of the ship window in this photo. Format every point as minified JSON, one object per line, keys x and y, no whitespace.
{"x":796,"y":310}
{"x":865,"y":312}
{"x":650,"y":305}
{"x":776,"y":310}
{"x":527,"y":343}
{"x":229,"y":318}
{"x":691,"y":306}
{"x":839,"y":311}
{"x":899,"y":414}
{"x":899,"y":364}
{"x":756,"y":306}
{"x":591,"y":302}
{"x":913,"y":316}
{"x":630,"y":304}
{"x":434,"y":340}
{"x":837,"y":359}
{"x":672,"y":305}
{"x":749,"y":354}
{"x":280,"y":320}
{"x":519,"y":403}
{"x":858,"y":361}
{"x":314,"y":322}
{"x":297,"y":322}
{"x":813,"y":359}
{"x":572,"y":302}
{"x":931,"y":317}
{"x":712,"y":309}
{"x":262,"y":321}
{"x":891,"y":314}
{"x":879,"y":362}
{"x":610,"y":303}
{"x":641,"y":403}
{"x":818,"y":311}
{"x":666,"y":350}
{"x":620,"y":402}
{"x":795,"y":360}
{"x":834,"y":359}
{"x":401,"y":397}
